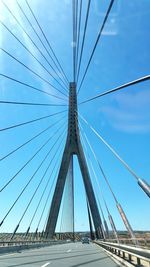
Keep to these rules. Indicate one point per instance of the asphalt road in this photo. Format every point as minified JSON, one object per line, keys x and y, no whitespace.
{"x":67,"y":255}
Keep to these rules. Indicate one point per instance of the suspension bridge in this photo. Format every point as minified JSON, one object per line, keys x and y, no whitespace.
{"x":51,"y":158}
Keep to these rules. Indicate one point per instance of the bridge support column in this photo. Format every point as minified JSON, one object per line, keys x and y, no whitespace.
{"x":73,"y":147}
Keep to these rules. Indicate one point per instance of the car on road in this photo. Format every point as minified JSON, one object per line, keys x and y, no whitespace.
{"x":85,"y":240}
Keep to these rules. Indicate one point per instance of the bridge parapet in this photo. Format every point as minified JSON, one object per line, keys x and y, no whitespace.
{"x":142,"y":242}
{"x":15,"y":246}
{"x":134,"y":255}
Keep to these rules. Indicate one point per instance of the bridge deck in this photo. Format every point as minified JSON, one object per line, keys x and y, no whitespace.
{"x":68,"y":255}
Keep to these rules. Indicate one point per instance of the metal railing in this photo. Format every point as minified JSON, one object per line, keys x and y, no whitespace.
{"x":23,"y":242}
{"x":142,"y":242}
{"x":136,"y":256}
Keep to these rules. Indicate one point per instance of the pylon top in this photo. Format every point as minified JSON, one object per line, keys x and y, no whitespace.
{"x":72,"y":85}
{"x":73,"y":130}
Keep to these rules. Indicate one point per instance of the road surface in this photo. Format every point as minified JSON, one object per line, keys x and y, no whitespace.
{"x":67,"y":255}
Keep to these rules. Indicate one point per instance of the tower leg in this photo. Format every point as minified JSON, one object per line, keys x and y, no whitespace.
{"x":56,"y":201}
{"x":89,"y":191}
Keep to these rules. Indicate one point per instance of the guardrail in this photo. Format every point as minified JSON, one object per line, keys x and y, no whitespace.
{"x":15,"y":246}
{"x":24,"y":242}
{"x":142,"y":242}
{"x":133,"y":255}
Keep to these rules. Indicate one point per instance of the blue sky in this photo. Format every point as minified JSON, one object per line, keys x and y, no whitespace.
{"x":122,"y":118}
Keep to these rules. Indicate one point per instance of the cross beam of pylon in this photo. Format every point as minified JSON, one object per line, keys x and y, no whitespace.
{"x":73,"y":147}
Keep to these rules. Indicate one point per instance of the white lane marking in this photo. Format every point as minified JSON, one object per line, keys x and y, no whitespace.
{"x":46,"y":264}
{"x":68,"y":250}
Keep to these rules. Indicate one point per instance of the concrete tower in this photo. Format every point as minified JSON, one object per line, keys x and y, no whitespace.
{"x":73,"y":147}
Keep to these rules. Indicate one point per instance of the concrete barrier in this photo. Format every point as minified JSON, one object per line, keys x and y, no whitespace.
{"x":16,"y":248}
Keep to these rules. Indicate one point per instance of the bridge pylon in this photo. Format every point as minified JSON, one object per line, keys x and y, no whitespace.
{"x":73,"y":147}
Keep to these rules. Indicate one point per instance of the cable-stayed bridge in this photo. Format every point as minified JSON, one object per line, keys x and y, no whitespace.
{"x":51,"y":169}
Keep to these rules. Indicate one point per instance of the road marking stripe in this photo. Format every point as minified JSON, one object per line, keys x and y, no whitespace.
{"x":46,"y":264}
